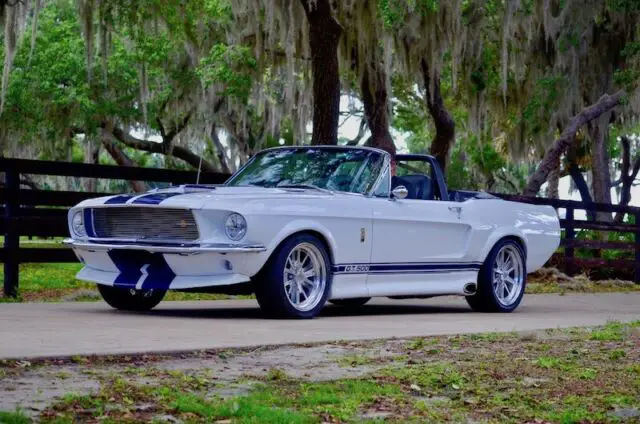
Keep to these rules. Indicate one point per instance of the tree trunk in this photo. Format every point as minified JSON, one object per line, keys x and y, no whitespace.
{"x":554,"y":182}
{"x":583,"y":188}
{"x":605,"y":104}
{"x":628,"y":175}
{"x":91,"y":155}
{"x":376,"y":108}
{"x":121,"y":158}
{"x":220,"y":154}
{"x":599,"y":132}
{"x":324,"y":35}
{"x":442,"y":119}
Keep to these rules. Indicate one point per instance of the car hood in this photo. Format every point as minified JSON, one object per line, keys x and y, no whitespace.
{"x":196,"y":197}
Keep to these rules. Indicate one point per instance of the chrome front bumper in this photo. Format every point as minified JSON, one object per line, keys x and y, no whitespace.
{"x":164,"y":247}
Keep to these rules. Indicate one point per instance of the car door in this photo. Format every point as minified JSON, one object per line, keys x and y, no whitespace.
{"x":415,"y":238}
{"x":418,"y":231}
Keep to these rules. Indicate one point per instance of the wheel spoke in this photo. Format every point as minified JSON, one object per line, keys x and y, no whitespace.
{"x":507,"y":275}
{"x":308,"y":283}
{"x":292,"y":293}
{"x":304,"y":276}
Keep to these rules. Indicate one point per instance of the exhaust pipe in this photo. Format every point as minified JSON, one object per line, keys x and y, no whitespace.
{"x":470,"y":288}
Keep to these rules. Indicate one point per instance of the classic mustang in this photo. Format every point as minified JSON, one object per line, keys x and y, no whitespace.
{"x":300,"y":226}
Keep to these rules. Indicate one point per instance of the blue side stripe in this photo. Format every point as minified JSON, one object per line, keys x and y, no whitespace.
{"x":153,"y":199}
{"x":130,"y":264}
{"x":405,"y":268}
{"x":88,"y":222}
{"x":119,"y":200}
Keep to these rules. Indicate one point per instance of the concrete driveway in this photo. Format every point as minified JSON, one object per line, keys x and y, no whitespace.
{"x":65,"y":329}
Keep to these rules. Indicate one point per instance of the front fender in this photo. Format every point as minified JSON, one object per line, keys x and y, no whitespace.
{"x":301,"y":225}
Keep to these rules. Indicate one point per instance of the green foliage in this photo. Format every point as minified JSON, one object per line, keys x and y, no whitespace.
{"x":547,"y":92}
{"x":629,"y":76}
{"x":623,"y":6}
{"x":394,"y":12}
{"x":17,"y":417}
{"x":231,"y":67}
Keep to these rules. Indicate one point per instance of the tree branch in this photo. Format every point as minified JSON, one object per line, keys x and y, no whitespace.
{"x":606,"y":103}
{"x":110,"y":145}
{"x":362,"y":129}
{"x":149,"y":146}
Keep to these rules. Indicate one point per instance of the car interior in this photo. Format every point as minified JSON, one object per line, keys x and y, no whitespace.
{"x":417,"y":178}
{"x":419,"y":187}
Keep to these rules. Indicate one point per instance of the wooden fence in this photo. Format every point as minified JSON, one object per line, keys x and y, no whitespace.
{"x":43,"y":213}
{"x":573,"y":238}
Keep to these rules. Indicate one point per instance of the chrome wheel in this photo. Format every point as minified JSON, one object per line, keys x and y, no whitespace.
{"x":305,"y":276}
{"x":508,"y":275}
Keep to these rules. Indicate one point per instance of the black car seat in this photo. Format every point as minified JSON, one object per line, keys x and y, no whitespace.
{"x":419,"y":187}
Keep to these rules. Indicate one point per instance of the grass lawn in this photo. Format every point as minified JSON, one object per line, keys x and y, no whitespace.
{"x":583,"y":375}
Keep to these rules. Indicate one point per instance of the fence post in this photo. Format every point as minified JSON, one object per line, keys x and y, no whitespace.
{"x":636,"y":215}
{"x":569,"y":235}
{"x":11,"y":235}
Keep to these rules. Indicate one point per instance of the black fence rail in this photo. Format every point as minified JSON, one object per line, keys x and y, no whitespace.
{"x":43,"y":213}
{"x":628,"y":265}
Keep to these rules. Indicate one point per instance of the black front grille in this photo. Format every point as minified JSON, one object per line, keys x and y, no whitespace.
{"x":145,"y":223}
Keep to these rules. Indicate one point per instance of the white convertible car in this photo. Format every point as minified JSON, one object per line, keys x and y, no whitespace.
{"x":300,"y":226}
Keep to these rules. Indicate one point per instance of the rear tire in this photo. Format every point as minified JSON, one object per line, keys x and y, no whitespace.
{"x":502,"y":279}
{"x":296,"y":281}
{"x":131,"y":299}
{"x":355,"y":302}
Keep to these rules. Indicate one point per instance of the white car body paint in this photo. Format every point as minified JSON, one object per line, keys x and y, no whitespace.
{"x":378,"y":246}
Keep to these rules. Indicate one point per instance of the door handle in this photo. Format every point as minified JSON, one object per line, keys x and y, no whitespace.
{"x":456,"y":209}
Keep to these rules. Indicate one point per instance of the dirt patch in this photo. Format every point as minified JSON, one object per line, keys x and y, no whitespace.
{"x":574,"y":375}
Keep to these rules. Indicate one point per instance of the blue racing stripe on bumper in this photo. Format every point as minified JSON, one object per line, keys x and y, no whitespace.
{"x":133,"y":265}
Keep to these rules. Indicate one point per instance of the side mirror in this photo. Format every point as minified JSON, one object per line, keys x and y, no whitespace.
{"x":399,"y":192}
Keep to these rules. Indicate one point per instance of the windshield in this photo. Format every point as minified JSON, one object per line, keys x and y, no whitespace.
{"x":350,"y":170}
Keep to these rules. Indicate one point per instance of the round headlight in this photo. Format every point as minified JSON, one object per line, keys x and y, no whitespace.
{"x":77,"y":224}
{"x":235,"y":226}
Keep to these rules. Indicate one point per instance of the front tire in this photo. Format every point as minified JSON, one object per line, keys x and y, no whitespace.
{"x":131,"y":299}
{"x":296,"y":281}
{"x":502,"y":279}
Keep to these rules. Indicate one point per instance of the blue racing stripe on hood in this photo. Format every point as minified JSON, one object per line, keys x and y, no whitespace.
{"x":119,"y":200}
{"x":154,"y":198}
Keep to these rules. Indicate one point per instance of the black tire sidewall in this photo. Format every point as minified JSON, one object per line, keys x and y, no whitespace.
{"x":120,"y":298}
{"x":269,"y":287}
{"x":485,"y":299}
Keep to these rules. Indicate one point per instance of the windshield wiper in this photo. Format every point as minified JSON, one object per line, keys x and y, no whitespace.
{"x":305,"y":186}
